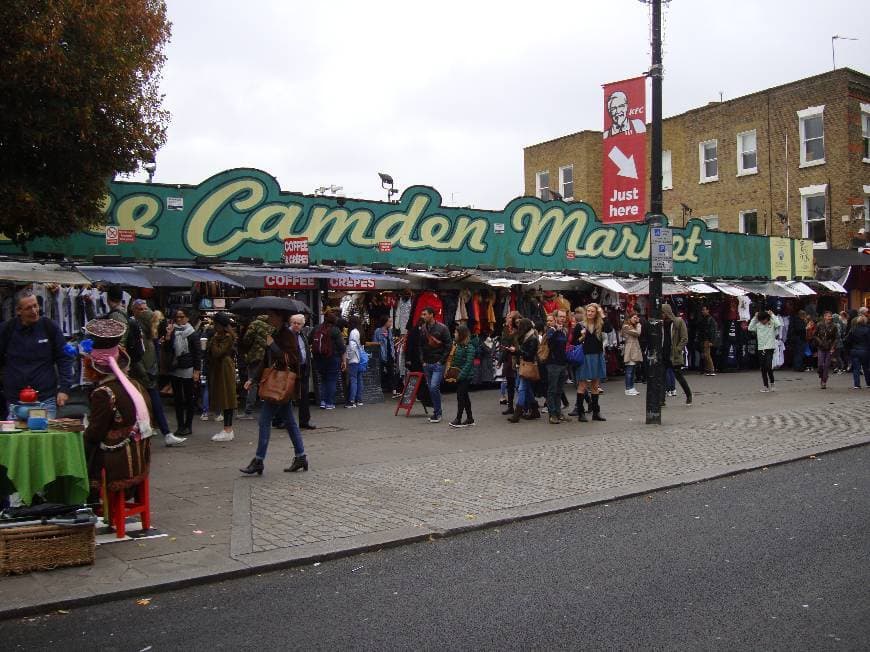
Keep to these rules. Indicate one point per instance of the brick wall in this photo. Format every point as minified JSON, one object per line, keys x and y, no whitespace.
{"x":772,"y":113}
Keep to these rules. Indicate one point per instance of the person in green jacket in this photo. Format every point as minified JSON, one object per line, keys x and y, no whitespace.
{"x":766,"y":327}
{"x":463,"y":357}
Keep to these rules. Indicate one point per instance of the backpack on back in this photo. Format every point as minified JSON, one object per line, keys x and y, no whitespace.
{"x":321,"y":341}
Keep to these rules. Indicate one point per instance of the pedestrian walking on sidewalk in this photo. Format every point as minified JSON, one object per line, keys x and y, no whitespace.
{"x":825,"y":341}
{"x":282,"y":352}
{"x":435,"y":344}
{"x":766,"y":327}
{"x":590,"y":333}
{"x":354,"y":356}
{"x":709,"y":333}
{"x":222,"y":374}
{"x":253,"y":349}
{"x":510,"y":357}
{"x":676,"y":336}
{"x":632,"y":355}
{"x":859,"y":351}
{"x":183,"y":350}
{"x":557,"y":339}
{"x":527,"y":351}
{"x":463,"y":358}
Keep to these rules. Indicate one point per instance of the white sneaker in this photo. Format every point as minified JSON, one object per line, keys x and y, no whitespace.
{"x":223,"y":435}
{"x":631,"y":392}
{"x":203,"y":416}
{"x":764,"y":390}
{"x":171,"y":440}
{"x":772,"y":387}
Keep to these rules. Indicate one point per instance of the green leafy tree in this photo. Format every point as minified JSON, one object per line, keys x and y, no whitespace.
{"x":79,"y":102}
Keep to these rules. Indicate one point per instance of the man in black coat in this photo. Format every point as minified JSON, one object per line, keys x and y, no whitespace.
{"x":297,"y":323}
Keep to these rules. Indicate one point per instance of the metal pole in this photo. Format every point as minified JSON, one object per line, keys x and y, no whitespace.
{"x":655,"y":387}
{"x":833,"y":56}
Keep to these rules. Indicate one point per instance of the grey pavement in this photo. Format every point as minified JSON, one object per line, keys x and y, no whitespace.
{"x":377,"y":479}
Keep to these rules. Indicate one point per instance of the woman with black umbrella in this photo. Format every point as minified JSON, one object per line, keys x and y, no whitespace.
{"x":281,"y":350}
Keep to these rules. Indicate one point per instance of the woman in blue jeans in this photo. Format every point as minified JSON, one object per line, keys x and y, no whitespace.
{"x":354,"y":374}
{"x":281,"y":349}
{"x":859,"y":351}
{"x":528,"y":350}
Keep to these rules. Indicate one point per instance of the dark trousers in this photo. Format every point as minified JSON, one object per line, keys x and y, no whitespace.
{"x":678,"y":375}
{"x":463,"y":400}
{"x":765,"y":359}
{"x":511,"y":378}
{"x":185,"y":401}
{"x":303,"y":403}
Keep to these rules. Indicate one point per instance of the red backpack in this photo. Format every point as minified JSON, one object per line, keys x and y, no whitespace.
{"x":321,"y":341}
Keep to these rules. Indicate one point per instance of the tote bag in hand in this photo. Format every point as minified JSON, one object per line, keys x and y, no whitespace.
{"x":277,"y":385}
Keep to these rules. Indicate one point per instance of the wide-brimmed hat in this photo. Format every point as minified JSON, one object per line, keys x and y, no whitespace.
{"x":106,"y":334}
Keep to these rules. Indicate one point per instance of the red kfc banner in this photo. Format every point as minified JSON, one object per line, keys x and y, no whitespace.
{"x":624,"y":163}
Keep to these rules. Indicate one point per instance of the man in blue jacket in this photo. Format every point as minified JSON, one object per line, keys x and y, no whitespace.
{"x":32,"y":354}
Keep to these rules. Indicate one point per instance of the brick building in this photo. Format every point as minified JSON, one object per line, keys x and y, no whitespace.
{"x":790,"y":160}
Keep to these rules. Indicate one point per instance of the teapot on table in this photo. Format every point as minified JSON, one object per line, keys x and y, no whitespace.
{"x":28,"y":395}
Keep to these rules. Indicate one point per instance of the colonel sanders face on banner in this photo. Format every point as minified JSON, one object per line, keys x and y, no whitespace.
{"x":617,"y":107}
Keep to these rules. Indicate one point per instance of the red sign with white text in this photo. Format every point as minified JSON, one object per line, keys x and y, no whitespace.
{"x":296,"y":252}
{"x":624,"y":163}
{"x":288,"y":282}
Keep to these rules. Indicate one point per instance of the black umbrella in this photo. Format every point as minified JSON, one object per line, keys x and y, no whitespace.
{"x":258,"y":305}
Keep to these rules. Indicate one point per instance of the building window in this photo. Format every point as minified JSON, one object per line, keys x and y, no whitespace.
{"x":865,"y":130}
{"x":542,"y":185}
{"x":708,"y":154}
{"x":712,"y":221}
{"x":812,"y":133}
{"x":747,"y":157}
{"x":749,"y":222}
{"x":566,"y":182}
{"x":814,"y":215}
{"x":667,"y":171}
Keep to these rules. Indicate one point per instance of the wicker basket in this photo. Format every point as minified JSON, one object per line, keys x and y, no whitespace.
{"x":43,"y":547}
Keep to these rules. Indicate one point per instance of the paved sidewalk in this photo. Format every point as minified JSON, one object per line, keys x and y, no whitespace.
{"x":377,"y":479}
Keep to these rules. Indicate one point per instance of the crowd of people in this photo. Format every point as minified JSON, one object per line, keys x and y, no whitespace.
{"x":213,"y":365}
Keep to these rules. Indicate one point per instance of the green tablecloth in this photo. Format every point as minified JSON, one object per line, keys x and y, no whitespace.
{"x":44,"y":461}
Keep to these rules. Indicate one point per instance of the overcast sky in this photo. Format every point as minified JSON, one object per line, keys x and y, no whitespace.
{"x":447,"y":94}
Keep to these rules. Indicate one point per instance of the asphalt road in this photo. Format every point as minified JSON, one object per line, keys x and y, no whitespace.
{"x":775,"y":559}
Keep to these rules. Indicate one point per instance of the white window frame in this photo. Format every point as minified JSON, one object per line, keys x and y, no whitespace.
{"x":712,"y":221}
{"x":566,"y":196}
{"x":803,"y":116}
{"x":741,"y":224}
{"x":865,"y":130}
{"x":539,"y":187}
{"x":667,"y":170}
{"x":741,"y":171}
{"x":820,"y":190}
{"x":702,"y":161}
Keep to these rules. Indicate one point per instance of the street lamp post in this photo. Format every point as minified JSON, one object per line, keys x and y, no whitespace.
{"x":837,"y":37}
{"x":655,"y":382}
{"x":387,"y":184}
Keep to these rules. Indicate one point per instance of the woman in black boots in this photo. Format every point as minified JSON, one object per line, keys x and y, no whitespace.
{"x":527,"y":339}
{"x":591,"y":334}
{"x":510,"y":357}
{"x":282,"y":350}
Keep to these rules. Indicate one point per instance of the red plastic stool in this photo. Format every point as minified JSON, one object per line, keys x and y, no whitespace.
{"x":120,"y":509}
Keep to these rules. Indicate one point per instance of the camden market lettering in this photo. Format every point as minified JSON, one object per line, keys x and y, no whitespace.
{"x":243,"y":212}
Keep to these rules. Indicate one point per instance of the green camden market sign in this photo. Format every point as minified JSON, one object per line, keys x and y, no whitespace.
{"x":244,"y":213}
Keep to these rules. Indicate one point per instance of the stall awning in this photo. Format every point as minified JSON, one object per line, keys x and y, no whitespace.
{"x":610,"y":284}
{"x":801,"y":289}
{"x":702,"y":288}
{"x":128,"y":276}
{"x":668,"y":289}
{"x":183,"y":276}
{"x":306,"y":279}
{"x":833,"y":286}
{"x":40,"y":273}
{"x":731,"y":290}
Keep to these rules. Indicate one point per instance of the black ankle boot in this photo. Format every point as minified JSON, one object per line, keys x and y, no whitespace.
{"x":256,"y":466}
{"x":299,"y":462}
{"x":518,"y":412}
{"x":581,"y":413}
{"x":596,"y":410}
{"x":576,"y":411}
{"x":509,"y":409}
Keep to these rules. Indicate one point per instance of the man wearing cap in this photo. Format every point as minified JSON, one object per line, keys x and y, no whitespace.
{"x":32,"y":355}
{"x":132,"y":340}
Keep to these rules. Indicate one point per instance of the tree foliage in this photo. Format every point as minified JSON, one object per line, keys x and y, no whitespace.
{"x":79,"y":102}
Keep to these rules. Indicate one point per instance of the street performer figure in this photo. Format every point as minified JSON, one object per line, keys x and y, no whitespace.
{"x":119,"y":426}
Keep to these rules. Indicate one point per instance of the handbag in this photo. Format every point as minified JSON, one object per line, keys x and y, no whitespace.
{"x":574,"y":354}
{"x":529,"y":370}
{"x":544,"y":349}
{"x":451,"y":373}
{"x":277,"y":385}
{"x":431,"y":341}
